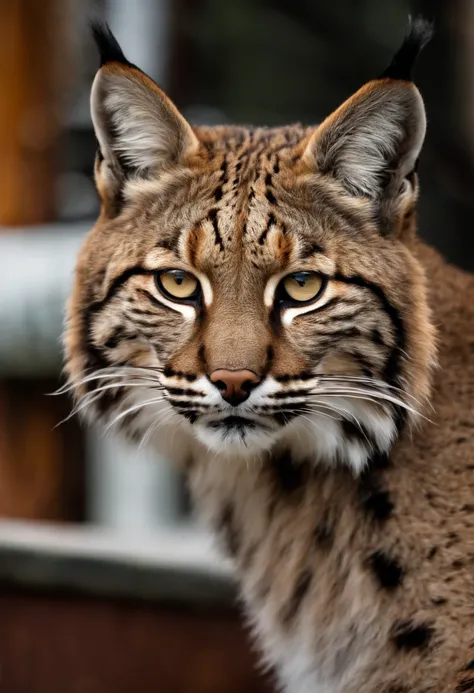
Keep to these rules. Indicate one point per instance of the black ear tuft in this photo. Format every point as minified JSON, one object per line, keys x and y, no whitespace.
{"x":419,"y":33}
{"x":109,"y":48}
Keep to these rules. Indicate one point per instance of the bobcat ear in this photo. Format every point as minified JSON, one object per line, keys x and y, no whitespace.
{"x":372,"y":142}
{"x":138,"y":128}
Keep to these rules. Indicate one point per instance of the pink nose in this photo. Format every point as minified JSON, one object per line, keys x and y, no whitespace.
{"x":235,"y":386}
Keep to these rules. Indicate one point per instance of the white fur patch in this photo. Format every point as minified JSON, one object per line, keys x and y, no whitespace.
{"x":318,"y":436}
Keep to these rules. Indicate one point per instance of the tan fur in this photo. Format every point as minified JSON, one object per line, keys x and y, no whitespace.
{"x":351,"y":532}
{"x":320,"y":526}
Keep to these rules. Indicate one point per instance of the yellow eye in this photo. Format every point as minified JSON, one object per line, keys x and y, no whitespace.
{"x":177,"y":284}
{"x":303,"y":286}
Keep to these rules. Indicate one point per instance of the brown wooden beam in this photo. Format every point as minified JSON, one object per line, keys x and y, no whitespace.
{"x":33,"y":65}
{"x":70,"y":645}
{"x":37,"y":461}
{"x":41,"y":463}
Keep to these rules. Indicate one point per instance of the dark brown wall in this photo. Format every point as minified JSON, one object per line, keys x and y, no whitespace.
{"x":81,"y":645}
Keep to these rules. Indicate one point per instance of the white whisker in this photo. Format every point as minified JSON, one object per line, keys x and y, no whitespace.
{"x":371,"y":395}
{"x":145,"y":374}
{"x":367,"y":382}
{"x":346,"y":414}
{"x":155,"y":426}
{"x":130,"y":410}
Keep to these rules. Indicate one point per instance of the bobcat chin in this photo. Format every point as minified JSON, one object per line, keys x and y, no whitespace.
{"x":259,"y":297}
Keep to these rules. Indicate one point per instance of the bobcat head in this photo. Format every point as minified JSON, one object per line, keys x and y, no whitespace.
{"x":244,"y":287}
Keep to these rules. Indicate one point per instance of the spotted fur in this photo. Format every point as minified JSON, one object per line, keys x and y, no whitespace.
{"x":342,"y":486}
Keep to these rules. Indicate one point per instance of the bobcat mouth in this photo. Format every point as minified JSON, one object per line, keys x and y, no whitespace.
{"x":232,"y":422}
{"x":235,"y":433}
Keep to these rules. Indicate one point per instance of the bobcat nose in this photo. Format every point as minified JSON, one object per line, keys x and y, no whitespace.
{"x":235,"y":386}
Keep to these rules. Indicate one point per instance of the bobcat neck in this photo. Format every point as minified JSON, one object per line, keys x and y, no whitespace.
{"x":338,"y":569}
{"x":363,"y":583}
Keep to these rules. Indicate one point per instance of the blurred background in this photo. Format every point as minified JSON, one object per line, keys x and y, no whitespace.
{"x":106,"y":582}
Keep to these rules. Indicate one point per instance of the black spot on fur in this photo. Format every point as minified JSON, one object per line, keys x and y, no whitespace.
{"x":469,"y":666}
{"x":410,"y":636}
{"x":439,"y":601}
{"x":270,"y":197}
{"x":324,"y":534}
{"x":374,"y":498}
{"x":288,"y":475}
{"x":378,"y":504}
{"x":300,"y":590}
{"x":419,"y":33}
{"x":380,"y":460}
{"x":467,"y":685}
{"x":453,"y":539}
{"x":387,"y":570}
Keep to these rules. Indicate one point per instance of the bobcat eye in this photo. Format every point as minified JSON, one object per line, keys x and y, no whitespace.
{"x":177,"y":284}
{"x":303,"y":287}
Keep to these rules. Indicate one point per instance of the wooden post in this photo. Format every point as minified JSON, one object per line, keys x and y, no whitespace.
{"x":31,"y":58}
{"x":37,"y":461}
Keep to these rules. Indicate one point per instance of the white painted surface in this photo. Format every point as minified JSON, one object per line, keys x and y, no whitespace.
{"x":184,"y":548}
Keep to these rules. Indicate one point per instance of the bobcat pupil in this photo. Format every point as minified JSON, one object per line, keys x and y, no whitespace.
{"x":301,"y":278}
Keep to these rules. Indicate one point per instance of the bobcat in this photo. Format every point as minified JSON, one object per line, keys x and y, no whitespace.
{"x":256,"y":303}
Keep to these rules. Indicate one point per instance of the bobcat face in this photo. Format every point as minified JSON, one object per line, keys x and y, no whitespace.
{"x":248,"y":287}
